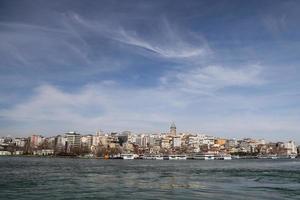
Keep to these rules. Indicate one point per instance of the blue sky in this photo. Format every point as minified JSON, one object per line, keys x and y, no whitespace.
{"x":227,"y":68}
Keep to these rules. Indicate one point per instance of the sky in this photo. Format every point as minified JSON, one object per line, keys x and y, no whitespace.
{"x":225,"y":68}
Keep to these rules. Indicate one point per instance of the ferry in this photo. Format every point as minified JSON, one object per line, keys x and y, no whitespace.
{"x":223,"y":157}
{"x":270,"y":156}
{"x":177,"y":157}
{"x":235,"y":157}
{"x":204,"y":157}
{"x":273,"y":156}
{"x":165,"y":157}
{"x":153,"y":157}
{"x":127,"y":156}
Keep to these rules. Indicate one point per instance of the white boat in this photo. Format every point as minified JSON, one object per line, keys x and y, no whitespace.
{"x":269,"y":156}
{"x":127,"y":156}
{"x":273,"y":156}
{"x":292,"y":156}
{"x":225,"y":157}
{"x":153,"y":157}
{"x":204,"y":157}
{"x":262,"y":157}
{"x":177,"y":157}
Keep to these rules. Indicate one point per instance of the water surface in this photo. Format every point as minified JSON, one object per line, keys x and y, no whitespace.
{"x":64,"y":178}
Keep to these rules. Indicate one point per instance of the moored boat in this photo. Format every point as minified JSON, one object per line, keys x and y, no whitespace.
{"x":177,"y":157}
{"x":203,"y":157}
{"x":225,"y":157}
{"x":153,"y":157}
{"x":127,"y":156}
{"x":292,"y":156}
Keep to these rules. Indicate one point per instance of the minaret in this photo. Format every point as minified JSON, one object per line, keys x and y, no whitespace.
{"x":173,"y":129}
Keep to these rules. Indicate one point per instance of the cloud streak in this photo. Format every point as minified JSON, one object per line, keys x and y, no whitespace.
{"x":206,"y":80}
{"x":166,"y":41}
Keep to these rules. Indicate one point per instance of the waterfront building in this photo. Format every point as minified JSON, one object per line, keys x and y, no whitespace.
{"x":155,"y":150}
{"x":131,"y":138}
{"x":60,"y":143}
{"x":207,"y":140}
{"x":138,"y":140}
{"x":36,"y":140}
{"x":220,"y":141}
{"x":290,"y":148}
{"x":86,"y":141}
{"x":50,"y":142}
{"x":145,"y":141}
{"x":2,"y":140}
{"x":20,"y":142}
{"x":165,"y":143}
{"x":231,"y":143}
{"x":244,"y":146}
{"x":151,"y":140}
{"x":192,"y":140}
{"x":73,"y":140}
{"x":96,"y":140}
{"x":176,"y":142}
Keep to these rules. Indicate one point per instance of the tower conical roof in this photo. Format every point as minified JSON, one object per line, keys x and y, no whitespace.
{"x":173,"y":125}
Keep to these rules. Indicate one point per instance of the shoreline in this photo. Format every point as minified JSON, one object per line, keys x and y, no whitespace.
{"x":120,"y":158}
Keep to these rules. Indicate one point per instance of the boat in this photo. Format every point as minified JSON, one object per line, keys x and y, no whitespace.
{"x":224,"y":157}
{"x":165,"y":157}
{"x":292,"y":156}
{"x":127,"y":156}
{"x":177,"y":157}
{"x":262,"y":157}
{"x":273,"y":156}
{"x":153,"y":157}
{"x":235,"y":157}
{"x":269,"y":156}
{"x":204,"y":157}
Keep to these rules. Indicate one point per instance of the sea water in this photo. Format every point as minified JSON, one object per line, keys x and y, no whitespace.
{"x":66,"y":178}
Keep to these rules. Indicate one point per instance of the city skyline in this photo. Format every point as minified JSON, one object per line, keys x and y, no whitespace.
{"x":172,"y":131}
{"x":128,"y":145}
{"x":140,"y":65}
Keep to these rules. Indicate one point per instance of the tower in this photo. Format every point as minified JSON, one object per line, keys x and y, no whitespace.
{"x":173,"y":129}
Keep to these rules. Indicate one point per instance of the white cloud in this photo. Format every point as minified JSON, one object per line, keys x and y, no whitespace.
{"x":43,"y":48}
{"x":175,"y":48}
{"x":93,"y":106}
{"x":209,"y":79}
{"x":163,"y":39}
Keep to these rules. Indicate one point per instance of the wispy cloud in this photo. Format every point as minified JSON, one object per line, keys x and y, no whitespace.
{"x":33,"y":46}
{"x":94,"y":106}
{"x":175,"y":47}
{"x":165,"y":40}
{"x":206,"y":80}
